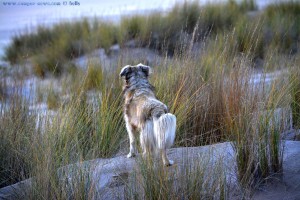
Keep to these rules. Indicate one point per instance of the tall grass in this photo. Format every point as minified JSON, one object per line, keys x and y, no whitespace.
{"x":93,"y":125}
{"x":94,"y":77}
{"x":295,"y":104}
{"x":200,"y":180}
{"x":18,"y":137}
{"x":50,"y":49}
{"x":225,"y":105}
{"x":229,"y":106}
{"x":173,"y":31}
{"x":3,"y":89}
{"x":282,"y":25}
{"x":211,"y":104}
{"x":254,"y":124}
{"x":79,"y":130}
{"x":52,"y":99}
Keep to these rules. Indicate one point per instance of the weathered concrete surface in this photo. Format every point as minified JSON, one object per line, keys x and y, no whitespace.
{"x":108,"y":177}
{"x":16,"y":191}
{"x":287,"y":186}
{"x":110,"y":184}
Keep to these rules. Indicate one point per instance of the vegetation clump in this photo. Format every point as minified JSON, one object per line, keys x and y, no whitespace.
{"x":276,"y":27}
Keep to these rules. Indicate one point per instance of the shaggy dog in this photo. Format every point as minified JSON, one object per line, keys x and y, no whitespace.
{"x":145,"y":114}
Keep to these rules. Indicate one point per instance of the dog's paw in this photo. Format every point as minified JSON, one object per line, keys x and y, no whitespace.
{"x":130,"y":155}
{"x":170,"y":163}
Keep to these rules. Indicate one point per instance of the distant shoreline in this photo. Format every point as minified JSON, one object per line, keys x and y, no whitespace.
{"x":33,"y":16}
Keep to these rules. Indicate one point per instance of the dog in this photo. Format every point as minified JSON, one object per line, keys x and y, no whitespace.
{"x":146,"y":115}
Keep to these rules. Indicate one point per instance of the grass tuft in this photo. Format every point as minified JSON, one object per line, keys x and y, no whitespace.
{"x":151,"y":180}
{"x":295,"y":93}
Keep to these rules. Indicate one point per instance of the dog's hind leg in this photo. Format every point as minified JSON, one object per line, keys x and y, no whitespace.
{"x":132,"y":141}
{"x":147,"y":138}
{"x":165,"y":159}
{"x":164,"y":131}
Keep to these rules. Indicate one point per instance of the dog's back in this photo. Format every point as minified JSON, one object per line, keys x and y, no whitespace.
{"x":144,"y":113}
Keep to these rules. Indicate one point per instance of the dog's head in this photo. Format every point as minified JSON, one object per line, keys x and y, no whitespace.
{"x":139,"y":71}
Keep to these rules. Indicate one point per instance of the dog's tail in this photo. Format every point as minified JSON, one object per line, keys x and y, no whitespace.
{"x":164,"y":130}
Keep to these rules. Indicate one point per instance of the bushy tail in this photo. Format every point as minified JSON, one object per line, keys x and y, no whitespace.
{"x":164,"y":130}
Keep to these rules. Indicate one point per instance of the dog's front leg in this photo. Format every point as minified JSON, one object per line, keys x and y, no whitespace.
{"x":132,"y":141}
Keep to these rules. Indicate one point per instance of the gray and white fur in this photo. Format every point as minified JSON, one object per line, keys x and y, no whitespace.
{"x":146,"y":115}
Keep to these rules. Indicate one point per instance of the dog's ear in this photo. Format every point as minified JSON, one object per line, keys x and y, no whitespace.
{"x":145,"y":69}
{"x":125,"y":70}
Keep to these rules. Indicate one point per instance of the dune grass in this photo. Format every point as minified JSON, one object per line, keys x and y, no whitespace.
{"x":295,"y":104}
{"x":3,"y":88}
{"x":255,"y":124}
{"x":223,"y":107}
{"x":52,"y":99}
{"x":50,"y":48}
{"x":215,"y":104}
{"x":283,"y":26}
{"x":204,"y":179}
{"x":18,"y":136}
{"x":211,"y":91}
{"x":79,"y":130}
